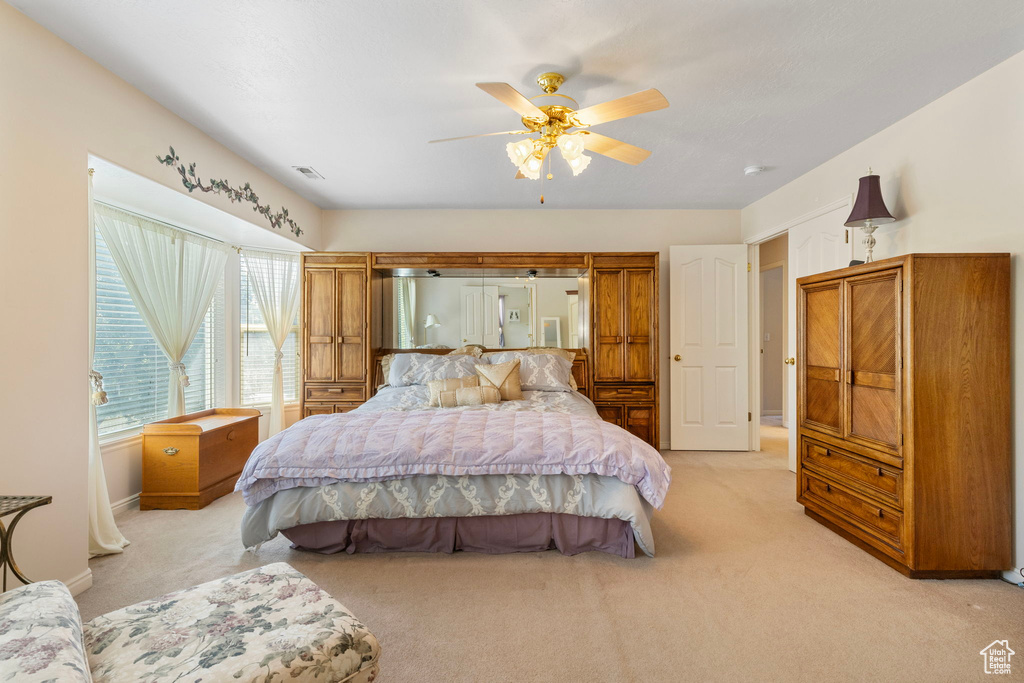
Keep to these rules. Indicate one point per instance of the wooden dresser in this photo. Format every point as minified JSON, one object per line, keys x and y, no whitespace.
{"x":904,"y":410}
{"x":624,"y":319}
{"x":191,"y":460}
{"x":336,"y":353}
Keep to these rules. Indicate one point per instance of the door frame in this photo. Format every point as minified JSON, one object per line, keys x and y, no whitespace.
{"x":754,"y":306}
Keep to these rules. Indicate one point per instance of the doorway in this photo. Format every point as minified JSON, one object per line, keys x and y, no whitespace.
{"x":774,"y":320}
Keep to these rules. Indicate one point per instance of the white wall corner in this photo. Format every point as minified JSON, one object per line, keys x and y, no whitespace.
{"x":125,"y":504}
{"x":80,"y":583}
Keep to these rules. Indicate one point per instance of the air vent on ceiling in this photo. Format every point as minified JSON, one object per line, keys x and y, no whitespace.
{"x":309,"y":172}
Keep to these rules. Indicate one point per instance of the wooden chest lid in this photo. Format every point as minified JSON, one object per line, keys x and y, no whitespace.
{"x":201,"y":422}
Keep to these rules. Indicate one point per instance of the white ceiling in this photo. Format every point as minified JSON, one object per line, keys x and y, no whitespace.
{"x":355,"y":89}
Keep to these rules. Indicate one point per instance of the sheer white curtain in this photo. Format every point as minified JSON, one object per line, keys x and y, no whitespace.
{"x":275,"y":281}
{"x":407,"y":300}
{"x":104,"y":536}
{"x":171,"y":276}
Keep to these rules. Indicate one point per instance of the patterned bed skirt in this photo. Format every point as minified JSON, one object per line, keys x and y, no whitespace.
{"x":521,"y":533}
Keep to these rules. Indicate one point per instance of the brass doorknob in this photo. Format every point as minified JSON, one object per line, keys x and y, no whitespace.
{"x":677,"y":357}
{"x":790,"y":361}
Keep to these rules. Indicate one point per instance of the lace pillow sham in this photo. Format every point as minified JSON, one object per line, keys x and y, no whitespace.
{"x":539,"y":372}
{"x":408,"y":369}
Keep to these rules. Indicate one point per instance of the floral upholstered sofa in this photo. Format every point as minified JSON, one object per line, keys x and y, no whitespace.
{"x":268,"y":624}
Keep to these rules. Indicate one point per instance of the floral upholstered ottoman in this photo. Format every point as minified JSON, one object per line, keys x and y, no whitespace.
{"x":41,"y":635}
{"x":268,"y":624}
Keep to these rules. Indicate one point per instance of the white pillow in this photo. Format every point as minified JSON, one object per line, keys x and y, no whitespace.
{"x":538,"y":372}
{"x":419,"y":368}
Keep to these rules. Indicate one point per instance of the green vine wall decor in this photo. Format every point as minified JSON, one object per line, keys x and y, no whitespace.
{"x":191,"y":181}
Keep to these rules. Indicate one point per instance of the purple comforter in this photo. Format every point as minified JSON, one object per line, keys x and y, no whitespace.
{"x":366,"y":447}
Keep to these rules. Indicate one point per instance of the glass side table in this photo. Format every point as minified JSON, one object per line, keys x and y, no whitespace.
{"x":17,"y":506}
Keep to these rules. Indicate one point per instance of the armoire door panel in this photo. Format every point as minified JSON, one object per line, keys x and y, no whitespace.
{"x":319,"y":321}
{"x":822,"y":358}
{"x":873,"y":358}
{"x":609,"y":335}
{"x":351,"y":325}
{"x":639,"y":328}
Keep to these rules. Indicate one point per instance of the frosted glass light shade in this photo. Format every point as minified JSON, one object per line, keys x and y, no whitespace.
{"x":579,"y":164}
{"x":519,"y":152}
{"x":571,"y":146}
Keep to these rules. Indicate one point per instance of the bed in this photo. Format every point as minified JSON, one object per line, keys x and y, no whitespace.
{"x":543,"y":472}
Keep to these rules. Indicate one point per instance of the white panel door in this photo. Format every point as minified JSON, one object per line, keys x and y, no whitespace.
{"x":489,"y":316}
{"x":709,"y":348}
{"x":574,"y":321}
{"x":479,"y":315}
{"x":815,"y":246}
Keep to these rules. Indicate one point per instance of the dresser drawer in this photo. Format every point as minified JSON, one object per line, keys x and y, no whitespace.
{"x":630,"y":393}
{"x":879,"y":521}
{"x":868,"y":476}
{"x":327,"y":408}
{"x":334,"y":392}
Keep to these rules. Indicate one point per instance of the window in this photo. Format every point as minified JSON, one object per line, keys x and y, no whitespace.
{"x":257,"y":352}
{"x":134,"y":369}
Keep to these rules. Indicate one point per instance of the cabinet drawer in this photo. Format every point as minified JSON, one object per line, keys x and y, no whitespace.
{"x":634,"y":393}
{"x":874,"y":478}
{"x":613,"y":414}
{"x":877,"y":520}
{"x":327,"y":408}
{"x":355,"y":392}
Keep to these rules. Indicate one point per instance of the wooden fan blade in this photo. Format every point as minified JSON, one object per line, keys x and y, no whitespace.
{"x":616,"y":149}
{"x":510,"y":97}
{"x":481,"y":135}
{"x":630,"y":105}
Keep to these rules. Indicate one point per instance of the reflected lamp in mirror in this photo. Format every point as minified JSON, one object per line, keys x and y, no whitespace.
{"x":431,"y":321}
{"x":869,"y":211}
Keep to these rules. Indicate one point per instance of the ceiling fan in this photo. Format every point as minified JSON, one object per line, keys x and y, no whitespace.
{"x":557,"y":126}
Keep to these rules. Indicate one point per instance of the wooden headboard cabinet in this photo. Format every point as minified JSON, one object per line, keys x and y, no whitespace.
{"x":345,"y":312}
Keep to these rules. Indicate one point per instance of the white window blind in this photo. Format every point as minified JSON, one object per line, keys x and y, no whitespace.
{"x":257,"y":352}
{"x":404,"y":324}
{"x":134,"y":369}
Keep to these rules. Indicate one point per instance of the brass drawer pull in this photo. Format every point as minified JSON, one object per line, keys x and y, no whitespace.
{"x":171,"y":450}
{"x":231,"y":435}
{"x":880,"y":472}
{"x":880,"y":512}
{"x":828,"y":488}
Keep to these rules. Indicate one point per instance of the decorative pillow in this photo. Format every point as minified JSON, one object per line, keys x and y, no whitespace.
{"x":469,"y":396}
{"x":567,"y":354}
{"x":419,"y":368}
{"x":539,"y":372}
{"x":438,"y":386}
{"x":504,"y":377}
{"x":468,"y":350}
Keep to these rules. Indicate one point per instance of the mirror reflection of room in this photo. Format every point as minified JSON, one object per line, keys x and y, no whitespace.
{"x":499,"y":312}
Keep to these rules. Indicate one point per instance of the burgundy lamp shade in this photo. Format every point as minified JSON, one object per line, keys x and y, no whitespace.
{"x":869,"y":205}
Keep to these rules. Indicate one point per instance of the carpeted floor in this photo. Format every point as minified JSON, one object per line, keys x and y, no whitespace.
{"x":744,"y":587}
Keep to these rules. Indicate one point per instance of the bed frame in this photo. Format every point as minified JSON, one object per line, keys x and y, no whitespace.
{"x":580,"y":366}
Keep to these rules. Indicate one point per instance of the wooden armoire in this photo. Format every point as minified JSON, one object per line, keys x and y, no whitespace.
{"x":904,"y":410}
{"x":624,"y":321}
{"x":343,"y":309}
{"x":336,"y":343}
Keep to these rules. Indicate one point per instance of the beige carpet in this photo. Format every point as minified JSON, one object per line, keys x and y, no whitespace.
{"x":744,"y":587}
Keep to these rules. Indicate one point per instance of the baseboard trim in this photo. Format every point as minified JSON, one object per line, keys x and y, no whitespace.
{"x":122,"y":505}
{"x":666,"y":446}
{"x":80,"y":583}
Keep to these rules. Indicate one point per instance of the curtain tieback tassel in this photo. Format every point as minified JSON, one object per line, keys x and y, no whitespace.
{"x":98,"y":397}
{"x":278,"y":356}
{"x":182,"y":375}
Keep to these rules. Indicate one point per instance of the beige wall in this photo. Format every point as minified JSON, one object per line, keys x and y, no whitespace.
{"x":537,"y":230}
{"x":56,"y":107}
{"x":952,"y":175}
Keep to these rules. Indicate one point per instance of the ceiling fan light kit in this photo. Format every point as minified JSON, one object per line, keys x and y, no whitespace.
{"x":554,"y":123}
